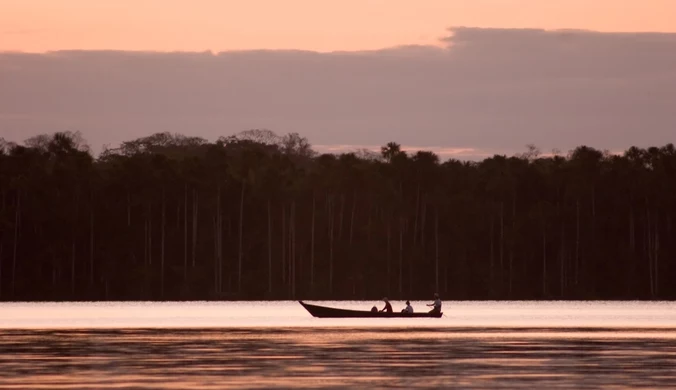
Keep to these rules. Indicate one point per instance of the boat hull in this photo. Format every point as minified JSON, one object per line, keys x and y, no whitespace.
{"x":330,"y":312}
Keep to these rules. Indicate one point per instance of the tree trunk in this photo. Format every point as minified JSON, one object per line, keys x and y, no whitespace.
{"x":2,"y":247}
{"x":162,"y":244}
{"x":491,"y":233}
{"x":195,"y":221}
{"x":15,"y":246}
{"x":420,"y":255}
{"x":593,"y":210}
{"x":356,"y":268}
{"x":219,"y":241}
{"x":544,"y":262}
{"x":283,"y":243}
{"x":577,"y":241}
{"x":591,"y":259}
{"x":649,"y":252}
{"x":512,"y":246}
{"x":401,"y":256}
{"x":150,"y":235}
{"x":331,"y":224}
{"x":502,"y":235}
{"x":269,"y":247}
{"x":562,"y":255}
{"x":289,"y":254}
{"x":423,"y":220}
{"x":215,"y":226}
{"x":632,"y":230}
{"x":389,"y":257}
{"x":73,"y":247}
{"x":185,"y":229}
{"x":91,"y":247}
{"x":312,"y":246}
{"x":293,"y":250}
{"x":657,"y":255}
{"x":436,"y":249}
{"x":368,"y":224}
{"x":72,"y":268}
{"x":2,"y":238}
{"x":511,"y":268}
{"x":354,"y":206}
{"x":415,"y":220}
{"x":55,"y":271}
{"x":128,"y":209}
{"x":145,"y":241}
{"x":240,"y":252}
{"x":342,"y":212}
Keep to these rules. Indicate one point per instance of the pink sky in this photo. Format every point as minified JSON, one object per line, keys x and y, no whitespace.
{"x":491,"y":87}
{"x":321,"y":25}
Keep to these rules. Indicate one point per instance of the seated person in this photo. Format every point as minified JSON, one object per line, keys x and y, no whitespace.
{"x":436,"y":305}
{"x":374,"y":309}
{"x":388,"y":307}
{"x":408,"y":309}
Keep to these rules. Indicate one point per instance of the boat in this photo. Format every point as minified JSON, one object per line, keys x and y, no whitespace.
{"x":330,"y":312}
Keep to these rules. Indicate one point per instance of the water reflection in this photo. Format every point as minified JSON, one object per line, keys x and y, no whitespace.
{"x":313,"y":357}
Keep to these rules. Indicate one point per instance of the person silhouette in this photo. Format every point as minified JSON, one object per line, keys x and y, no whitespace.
{"x":388,"y":306}
{"x":436,"y":306}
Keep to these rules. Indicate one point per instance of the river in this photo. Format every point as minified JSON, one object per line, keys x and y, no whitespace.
{"x":214,"y":345}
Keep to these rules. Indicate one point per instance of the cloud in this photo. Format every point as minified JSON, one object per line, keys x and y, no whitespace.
{"x":489,"y":90}
{"x":459,"y":153}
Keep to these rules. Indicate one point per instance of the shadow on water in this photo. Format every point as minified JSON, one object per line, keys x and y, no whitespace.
{"x":338,"y":357}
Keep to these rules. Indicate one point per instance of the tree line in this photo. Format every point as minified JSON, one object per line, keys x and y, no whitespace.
{"x":261,"y":216}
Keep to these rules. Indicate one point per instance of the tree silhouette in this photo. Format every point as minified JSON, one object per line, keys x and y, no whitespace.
{"x":256,"y":215}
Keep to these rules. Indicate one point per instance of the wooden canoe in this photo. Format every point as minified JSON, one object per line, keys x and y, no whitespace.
{"x":330,"y":312}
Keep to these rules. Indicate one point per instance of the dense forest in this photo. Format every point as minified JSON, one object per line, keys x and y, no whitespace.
{"x":261,"y":216}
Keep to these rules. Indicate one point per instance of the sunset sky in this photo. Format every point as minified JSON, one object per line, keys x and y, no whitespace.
{"x":465,"y":78}
{"x":320,"y":25}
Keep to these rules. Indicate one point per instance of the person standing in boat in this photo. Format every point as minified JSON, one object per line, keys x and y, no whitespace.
{"x":388,"y":307}
{"x":436,"y":306}
{"x":408,"y":309}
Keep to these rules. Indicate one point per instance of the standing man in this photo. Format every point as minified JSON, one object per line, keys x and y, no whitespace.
{"x":436,"y":306}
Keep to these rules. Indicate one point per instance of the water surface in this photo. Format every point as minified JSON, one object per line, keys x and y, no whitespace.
{"x":204,"y":345}
{"x":290,"y":314}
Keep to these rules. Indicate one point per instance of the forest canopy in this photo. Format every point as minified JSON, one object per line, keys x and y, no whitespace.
{"x":261,"y":216}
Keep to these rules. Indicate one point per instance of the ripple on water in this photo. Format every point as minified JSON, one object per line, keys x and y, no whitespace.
{"x":357,"y":357}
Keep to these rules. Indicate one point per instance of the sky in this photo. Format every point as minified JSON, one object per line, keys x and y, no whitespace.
{"x":325,"y":25}
{"x":347,"y":73}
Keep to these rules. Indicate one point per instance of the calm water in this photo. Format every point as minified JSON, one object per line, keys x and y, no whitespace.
{"x":202,"y":345}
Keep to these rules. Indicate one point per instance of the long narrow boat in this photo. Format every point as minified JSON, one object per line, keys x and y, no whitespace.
{"x":330,"y":312}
